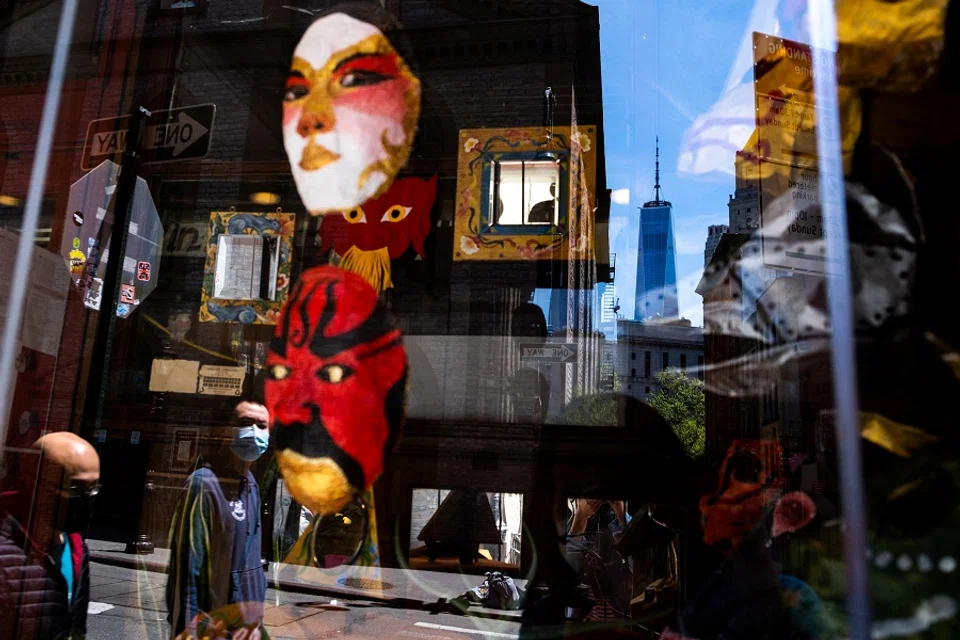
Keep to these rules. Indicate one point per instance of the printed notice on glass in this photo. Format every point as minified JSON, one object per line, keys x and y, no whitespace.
{"x":787,"y":131}
{"x":221,"y":381}
{"x":793,"y":224}
{"x":46,"y":299}
{"x":792,"y":230}
{"x":176,"y":376}
{"x":185,"y":448}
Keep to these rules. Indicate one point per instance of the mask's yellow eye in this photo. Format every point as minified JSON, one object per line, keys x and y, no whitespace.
{"x":396,"y":213}
{"x":279,"y":372}
{"x":355,"y":216}
{"x":334,"y":373}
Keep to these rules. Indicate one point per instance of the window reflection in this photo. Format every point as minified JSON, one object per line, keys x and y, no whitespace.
{"x":527,"y":192}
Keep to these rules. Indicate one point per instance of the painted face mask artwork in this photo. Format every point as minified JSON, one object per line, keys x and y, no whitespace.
{"x":350,"y":114}
{"x":336,"y":388}
{"x":382,"y":229}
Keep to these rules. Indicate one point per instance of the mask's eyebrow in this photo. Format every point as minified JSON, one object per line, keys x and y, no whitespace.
{"x":297,"y":79}
{"x":382,"y":63}
{"x":350,"y":59}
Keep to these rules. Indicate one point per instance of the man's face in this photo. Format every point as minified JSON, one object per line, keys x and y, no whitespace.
{"x":349,"y":114}
{"x":336,"y":383}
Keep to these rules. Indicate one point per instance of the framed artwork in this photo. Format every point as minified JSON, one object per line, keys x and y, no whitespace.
{"x":247,"y":275}
{"x":525,"y":194}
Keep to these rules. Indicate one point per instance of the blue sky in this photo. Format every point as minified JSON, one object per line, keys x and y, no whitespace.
{"x":667,"y":63}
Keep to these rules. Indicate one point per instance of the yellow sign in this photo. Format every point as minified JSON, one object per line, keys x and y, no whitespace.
{"x":783,"y":86}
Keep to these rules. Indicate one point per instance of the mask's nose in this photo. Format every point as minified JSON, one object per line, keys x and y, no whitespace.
{"x":312,"y":123}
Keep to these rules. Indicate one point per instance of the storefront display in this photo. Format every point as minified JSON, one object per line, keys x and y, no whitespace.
{"x":566,"y":318}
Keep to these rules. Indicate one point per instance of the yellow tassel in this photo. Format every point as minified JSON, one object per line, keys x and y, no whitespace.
{"x":372,"y":266}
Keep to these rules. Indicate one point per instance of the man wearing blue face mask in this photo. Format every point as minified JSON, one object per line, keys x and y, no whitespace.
{"x":216,"y":577}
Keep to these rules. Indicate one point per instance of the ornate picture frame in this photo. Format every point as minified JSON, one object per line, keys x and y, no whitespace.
{"x":478,"y":237}
{"x":247,"y":311}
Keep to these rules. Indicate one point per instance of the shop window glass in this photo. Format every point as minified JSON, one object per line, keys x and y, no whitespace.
{"x":469,"y":184}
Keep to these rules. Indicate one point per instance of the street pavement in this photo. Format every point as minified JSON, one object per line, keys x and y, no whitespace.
{"x":128,"y":603}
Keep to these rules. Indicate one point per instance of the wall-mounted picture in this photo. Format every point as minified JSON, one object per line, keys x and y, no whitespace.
{"x":247,"y":274}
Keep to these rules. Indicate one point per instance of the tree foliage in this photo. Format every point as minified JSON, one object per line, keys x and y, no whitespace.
{"x":682,"y":403}
{"x":597,"y":409}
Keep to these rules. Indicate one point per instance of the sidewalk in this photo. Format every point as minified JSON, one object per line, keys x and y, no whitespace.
{"x":400,"y":588}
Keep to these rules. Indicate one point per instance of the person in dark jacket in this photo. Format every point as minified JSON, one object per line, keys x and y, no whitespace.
{"x":44,"y":571}
{"x":216,"y":575}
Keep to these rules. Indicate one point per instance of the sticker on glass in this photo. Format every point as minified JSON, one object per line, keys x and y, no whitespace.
{"x":128,"y":293}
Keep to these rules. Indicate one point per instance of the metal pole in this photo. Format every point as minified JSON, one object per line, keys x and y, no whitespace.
{"x":823,"y":30}
{"x":28,"y":227}
{"x":113,"y":276}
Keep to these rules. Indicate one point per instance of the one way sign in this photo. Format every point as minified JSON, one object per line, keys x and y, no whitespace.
{"x":170,"y":135}
{"x":548,"y":352}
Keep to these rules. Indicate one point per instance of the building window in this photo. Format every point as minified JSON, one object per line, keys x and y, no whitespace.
{"x":666,"y":360}
{"x":633,"y":355}
{"x":525,"y":192}
{"x":648,"y":390}
{"x":646,"y":364}
{"x":683,"y":362}
{"x":633,"y":373}
{"x":700,"y":367}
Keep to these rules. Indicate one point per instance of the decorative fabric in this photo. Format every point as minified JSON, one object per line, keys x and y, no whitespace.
{"x":369,"y":236}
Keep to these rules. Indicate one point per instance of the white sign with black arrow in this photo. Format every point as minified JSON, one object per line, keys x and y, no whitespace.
{"x":548,"y":352}
{"x":170,"y":135}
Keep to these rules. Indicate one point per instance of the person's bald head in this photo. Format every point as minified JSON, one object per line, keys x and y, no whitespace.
{"x":72,"y":453}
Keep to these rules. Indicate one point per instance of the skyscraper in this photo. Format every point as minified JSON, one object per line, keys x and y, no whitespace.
{"x":608,"y":310}
{"x":656,"y":294}
{"x":714,"y":233}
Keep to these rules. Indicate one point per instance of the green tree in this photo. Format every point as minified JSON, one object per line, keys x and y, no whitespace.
{"x":682,"y":403}
{"x":597,"y":409}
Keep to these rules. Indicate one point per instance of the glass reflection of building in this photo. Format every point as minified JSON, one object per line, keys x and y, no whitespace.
{"x":656,"y":294}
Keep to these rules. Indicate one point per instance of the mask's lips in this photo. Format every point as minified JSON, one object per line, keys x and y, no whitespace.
{"x":316,"y":156}
{"x":317,"y":483}
{"x":320,"y":475}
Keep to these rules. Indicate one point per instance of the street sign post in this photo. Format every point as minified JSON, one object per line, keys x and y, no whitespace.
{"x":171,"y":135}
{"x":548,"y":352}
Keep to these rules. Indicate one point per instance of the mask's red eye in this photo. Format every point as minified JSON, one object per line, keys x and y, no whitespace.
{"x":334,"y":373}
{"x":278,"y":372}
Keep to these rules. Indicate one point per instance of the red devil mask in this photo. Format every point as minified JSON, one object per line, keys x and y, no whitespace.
{"x":381,"y":230}
{"x":336,"y":386}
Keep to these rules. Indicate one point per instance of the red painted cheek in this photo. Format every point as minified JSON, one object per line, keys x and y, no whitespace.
{"x":285,"y":399}
{"x":291,"y":114}
{"x":384,"y":99}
